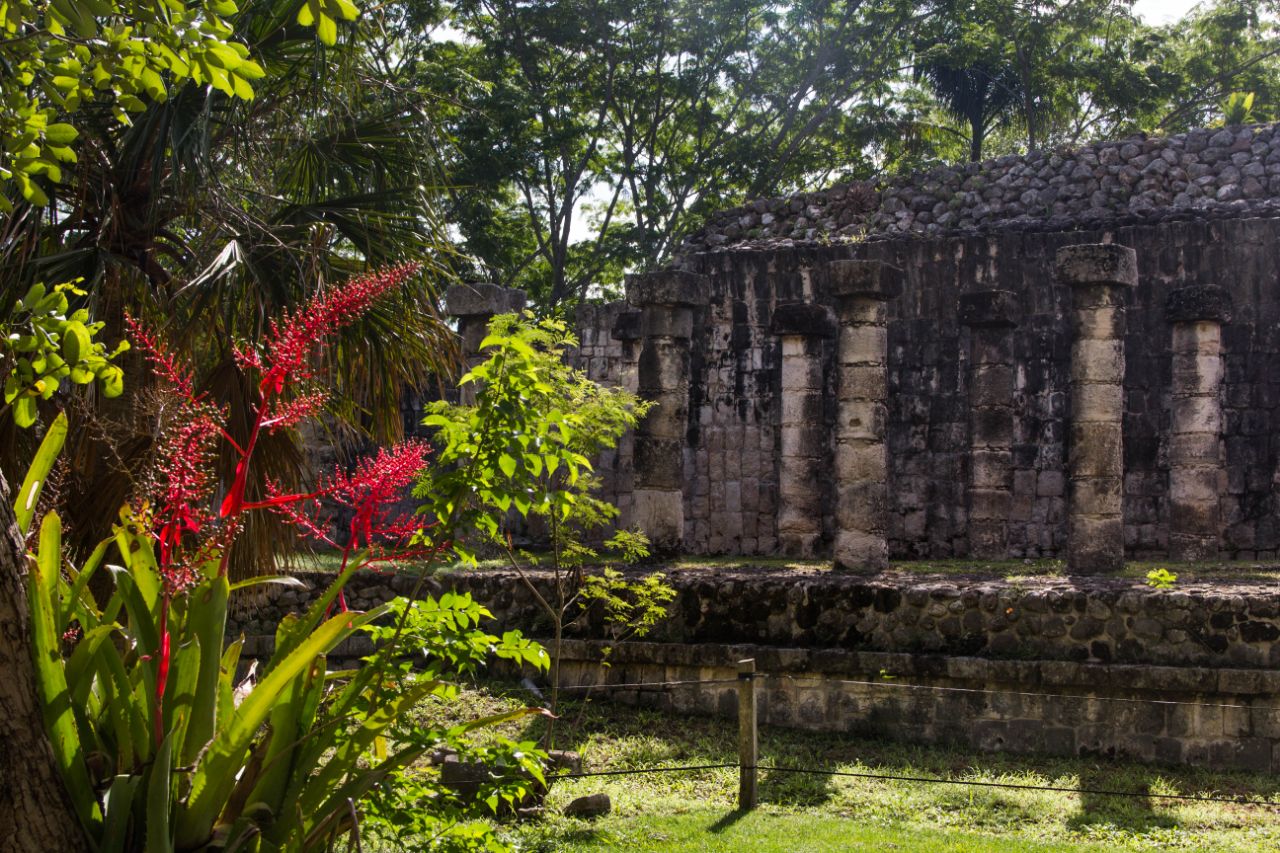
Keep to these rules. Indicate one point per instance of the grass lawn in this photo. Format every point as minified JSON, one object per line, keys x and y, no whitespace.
{"x":696,"y":810}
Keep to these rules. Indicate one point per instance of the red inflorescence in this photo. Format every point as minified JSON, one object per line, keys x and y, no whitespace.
{"x":370,"y":494}
{"x":293,"y":338}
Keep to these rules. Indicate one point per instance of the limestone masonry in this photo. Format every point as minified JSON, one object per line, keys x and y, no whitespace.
{"x":1073,"y":355}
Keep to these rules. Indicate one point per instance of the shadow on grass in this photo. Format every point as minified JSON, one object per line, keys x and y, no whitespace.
{"x":727,"y":821}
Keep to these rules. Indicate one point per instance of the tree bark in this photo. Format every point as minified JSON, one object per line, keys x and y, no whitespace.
{"x":36,"y":815}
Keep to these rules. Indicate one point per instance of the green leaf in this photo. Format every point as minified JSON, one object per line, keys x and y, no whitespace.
{"x":41,"y":464}
{"x":159,"y":800}
{"x":51,"y":680}
{"x":507,"y":464}
{"x":24,"y":411}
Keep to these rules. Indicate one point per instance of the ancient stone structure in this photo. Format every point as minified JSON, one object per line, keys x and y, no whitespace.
{"x":990,"y":315}
{"x":989,"y":364}
{"x":862,"y":289}
{"x":1098,"y":276}
{"x":1224,"y":172}
{"x":1103,"y":668}
{"x":474,"y":305}
{"x":803,"y":329}
{"x":1196,"y":471}
{"x":667,"y":300}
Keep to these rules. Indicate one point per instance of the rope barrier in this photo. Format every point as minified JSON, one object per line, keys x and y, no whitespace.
{"x":638,"y":684}
{"x":890,"y":777}
{"x":1052,"y":788}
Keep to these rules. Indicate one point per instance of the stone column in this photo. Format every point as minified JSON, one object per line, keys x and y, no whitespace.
{"x":1098,"y":275}
{"x":628,"y":329}
{"x":863,"y":289}
{"x":666,"y":299}
{"x":474,"y":305}
{"x":802,"y":326}
{"x":1195,"y":440}
{"x":990,"y":315}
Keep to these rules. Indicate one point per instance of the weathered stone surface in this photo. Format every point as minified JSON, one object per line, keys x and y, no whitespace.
{"x":472,"y":300}
{"x":667,"y":287}
{"x":1198,"y":302}
{"x":808,"y":319}
{"x":592,"y":805}
{"x":872,"y":280}
{"x":996,"y":308}
{"x":1104,"y":185}
{"x":1091,"y":264}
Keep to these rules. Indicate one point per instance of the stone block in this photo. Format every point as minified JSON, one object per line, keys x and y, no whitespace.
{"x":803,"y":319}
{"x":863,"y":382}
{"x":1095,"y":496}
{"x":1202,"y":337}
{"x":1097,"y":360}
{"x":667,"y":287}
{"x":872,"y":280}
{"x":1094,"y":545}
{"x":1197,"y":414}
{"x":1196,"y":373}
{"x":628,"y":325}
{"x":857,"y":461}
{"x":482,"y":300}
{"x":1105,"y":322}
{"x":857,"y":550}
{"x":1096,"y":450}
{"x":861,"y":420}
{"x":1197,"y":302}
{"x":863,"y":345}
{"x":1097,"y":264}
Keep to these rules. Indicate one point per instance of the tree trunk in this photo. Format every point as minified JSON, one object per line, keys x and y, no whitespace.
{"x":36,"y":815}
{"x":977,"y":132}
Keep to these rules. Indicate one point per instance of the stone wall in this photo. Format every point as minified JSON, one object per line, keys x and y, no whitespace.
{"x":1227,"y":719}
{"x":1223,"y":172}
{"x":733,"y":439}
{"x":1228,"y":625}
{"x":1106,"y":668}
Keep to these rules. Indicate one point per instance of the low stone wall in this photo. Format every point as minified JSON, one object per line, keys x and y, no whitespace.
{"x":1223,"y":624}
{"x":1097,"y":667}
{"x":1228,"y":719}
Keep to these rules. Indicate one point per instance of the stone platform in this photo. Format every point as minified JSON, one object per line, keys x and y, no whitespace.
{"x":1096,"y":666}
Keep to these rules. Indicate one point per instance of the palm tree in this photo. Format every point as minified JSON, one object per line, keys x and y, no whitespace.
{"x":208,"y":215}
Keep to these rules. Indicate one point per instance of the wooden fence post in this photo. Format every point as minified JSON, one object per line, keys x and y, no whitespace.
{"x":748,"y":743}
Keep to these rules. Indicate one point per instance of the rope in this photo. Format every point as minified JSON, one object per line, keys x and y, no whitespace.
{"x":975,"y":783}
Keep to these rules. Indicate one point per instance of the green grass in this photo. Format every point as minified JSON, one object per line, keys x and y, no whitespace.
{"x":696,"y":810}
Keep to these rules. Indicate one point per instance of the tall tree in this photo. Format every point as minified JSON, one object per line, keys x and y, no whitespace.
{"x":633,"y":116}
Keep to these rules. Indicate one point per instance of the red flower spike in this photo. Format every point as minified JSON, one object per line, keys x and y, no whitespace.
{"x":293,"y":338}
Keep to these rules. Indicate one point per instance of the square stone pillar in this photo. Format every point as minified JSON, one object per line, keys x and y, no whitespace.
{"x":474,"y":305}
{"x":667,"y":300}
{"x":628,"y":329}
{"x":862,"y":290}
{"x":802,"y":327}
{"x":1099,"y":276}
{"x":990,"y":314}
{"x":1196,"y":472}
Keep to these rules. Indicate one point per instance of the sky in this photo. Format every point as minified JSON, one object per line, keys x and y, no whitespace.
{"x":1162,"y":11}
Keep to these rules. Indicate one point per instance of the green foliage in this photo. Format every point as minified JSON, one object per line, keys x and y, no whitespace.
{"x":528,"y":442}
{"x":1161,"y":579}
{"x":1238,"y":108}
{"x":43,"y":345}
{"x":61,"y":55}
{"x":526,"y":446}
{"x":630,"y":608}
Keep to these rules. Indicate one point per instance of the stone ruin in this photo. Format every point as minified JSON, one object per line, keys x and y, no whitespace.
{"x":1071,"y":354}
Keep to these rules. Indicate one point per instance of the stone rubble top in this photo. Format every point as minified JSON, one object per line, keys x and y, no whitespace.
{"x":1231,"y":172}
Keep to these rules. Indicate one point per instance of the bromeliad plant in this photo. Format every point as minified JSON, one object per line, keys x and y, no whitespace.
{"x":160,"y":748}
